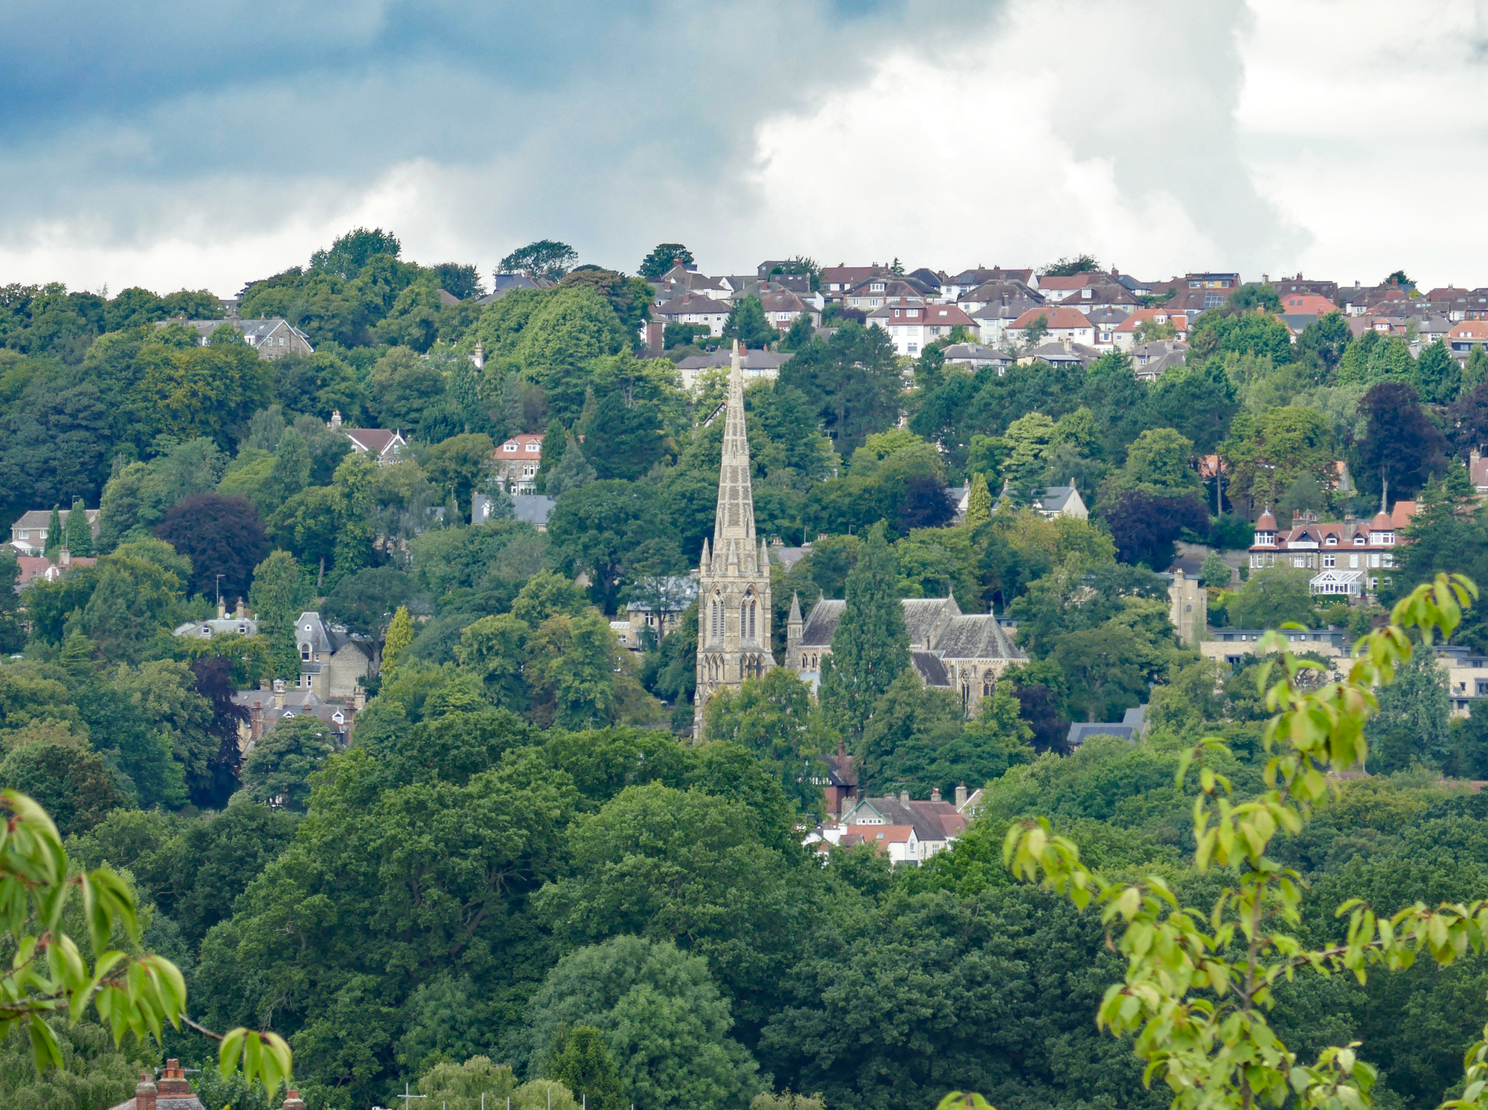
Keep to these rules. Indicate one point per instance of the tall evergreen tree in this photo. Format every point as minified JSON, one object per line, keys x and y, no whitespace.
{"x":79,"y":535}
{"x":978,"y":502}
{"x":871,"y":645}
{"x":54,"y":534}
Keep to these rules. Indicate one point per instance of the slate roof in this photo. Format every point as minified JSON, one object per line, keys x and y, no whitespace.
{"x":1079,"y":733}
{"x":924,"y":616}
{"x":748,"y":360}
{"x":379,"y":441}
{"x":933,"y":821}
{"x":533,"y":508}
{"x":822,"y":623}
{"x":1055,"y":497}
{"x":976,"y":637}
{"x":932,"y":670}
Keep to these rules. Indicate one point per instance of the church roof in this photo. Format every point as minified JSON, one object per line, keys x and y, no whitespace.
{"x":735,"y":516}
{"x":978,"y":636}
{"x":932,"y":670}
{"x":924,"y":616}
{"x":822,"y":623}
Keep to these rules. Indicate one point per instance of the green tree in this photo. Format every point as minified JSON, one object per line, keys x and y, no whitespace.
{"x":1230,"y":1055}
{"x":349,"y":253}
{"x":494,"y":649}
{"x":55,"y":536}
{"x":12,"y":633}
{"x":1272,"y":597}
{"x":870,"y":646}
{"x":280,"y":592}
{"x":398,"y":640}
{"x":460,"y":1086}
{"x":580,"y":1059}
{"x":667,"y":1026}
{"x":772,"y":717}
{"x":748,"y":324}
{"x":1436,"y":375}
{"x":1159,"y":462}
{"x":79,"y":534}
{"x":68,"y":777}
{"x":545,"y":258}
{"x":978,"y":503}
{"x":278,"y":769}
{"x":604,"y":529}
{"x":1410,"y":729}
{"x":1215,"y":574}
{"x":662,"y":258}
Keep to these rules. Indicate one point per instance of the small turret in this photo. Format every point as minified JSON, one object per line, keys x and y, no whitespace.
{"x":793,"y":629}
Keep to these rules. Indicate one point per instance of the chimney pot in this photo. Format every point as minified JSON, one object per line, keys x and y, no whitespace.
{"x":292,"y":1100}
{"x":64,"y":558}
{"x":935,"y":793}
{"x":144,"y":1092}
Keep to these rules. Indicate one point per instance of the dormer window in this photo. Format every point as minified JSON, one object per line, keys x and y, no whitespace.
{"x":1332,"y":541}
{"x":1358,"y":541}
{"x":304,"y":653}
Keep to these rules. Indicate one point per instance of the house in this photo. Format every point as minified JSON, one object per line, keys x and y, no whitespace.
{"x":380,"y":443}
{"x":38,"y":568}
{"x":534,"y":509}
{"x":949,"y":649}
{"x":1464,"y":336}
{"x":273,"y":337}
{"x":1062,"y":288}
{"x":1237,"y":646}
{"x":505,"y":283}
{"x":272,"y":703}
{"x":974,"y":356}
{"x":1285,"y":286}
{"x":332,"y":662}
{"x":953,"y":288}
{"x":1201,"y":292}
{"x":239,"y":624}
{"x":1477,"y":469}
{"x":1055,"y":502}
{"x":1061,"y":325}
{"x":1105,"y":319}
{"x":877,"y":291}
{"x":1151,"y":360}
{"x":935,"y":823}
{"x":914,"y":324}
{"x":694,"y":308}
{"x":1309,"y":305}
{"x":1467,"y":677}
{"x":1082,"y":731}
{"x":1358,"y":300}
{"x":171,"y":1092}
{"x":992,"y":292}
{"x":657,"y":603}
{"x":837,"y":281}
{"x":1124,"y":336}
{"x":686,"y":279}
{"x":995,"y":317}
{"x":753,"y":365}
{"x":516,"y":462}
{"x":28,"y":535}
{"x":1188,"y":608}
{"x":1060,"y":353}
{"x":1319,"y":546}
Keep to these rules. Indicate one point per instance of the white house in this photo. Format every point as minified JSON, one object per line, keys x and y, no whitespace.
{"x":1062,"y":324}
{"x":913,"y":325}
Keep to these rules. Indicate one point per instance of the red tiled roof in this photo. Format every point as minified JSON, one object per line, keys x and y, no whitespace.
{"x":1074,"y":281}
{"x":1179,"y":320}
{"x":1055,"y":316}
{"x":1469,"y":329}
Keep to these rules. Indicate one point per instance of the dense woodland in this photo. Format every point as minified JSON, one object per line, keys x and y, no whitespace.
{"x":517,"y":862}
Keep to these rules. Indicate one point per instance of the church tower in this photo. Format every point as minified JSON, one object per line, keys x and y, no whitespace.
{"x":734,"y":574}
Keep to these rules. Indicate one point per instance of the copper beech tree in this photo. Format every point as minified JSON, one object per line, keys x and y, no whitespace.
{"x":1199,"y":983}
{"x":48,"y":973}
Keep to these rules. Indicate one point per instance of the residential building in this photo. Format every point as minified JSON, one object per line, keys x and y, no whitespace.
{"x":953,"y":288}
{"x":1477,"y":469}
{"x":170,"y":1092}
{"x":694,"y":308}
{"x":39,"y":568}
{"x":506,"y":283}
{"x":1464,"y":336}
{"x":1125,"y":336}
{"x":658,"y":603}
{"x":273,"y":702}
{"x":238,"y":624}
{"x":950,"y":650}
{"x":1357,"y":300}
{"x":380,"y":443}
{"x":914,"y":324}
{"x":908,"y":832}
{"x":1467,"y":677}
{"x":1069,"y":286}
{"x":734,"y":608}
{"x":1285,"y":286}
{"x":1105,"y":319}
{"x":1200,"y":292}
{"x":1081,"y":731}
{"x":516,"y":462}
{"x":332,"y":661}
{"x":974,"y":356}
{"x":1054,"y":502}
{"x":782,"y":307}
{"x":754,"y":365}
{"x":838,"y":281}
{"x":28,"y":535}
{"x":1151,"y":360}
{"x":273,"y":337}
{"x":1061,"y":324}
{"x":1367,"y":550}
{"x":685,"y":279}
{"x":1060,"y":353}
{"x":995,"y":317}
{"x":1237,"y":646}
{"x":993,"y":292}
{"x":878,"y":291}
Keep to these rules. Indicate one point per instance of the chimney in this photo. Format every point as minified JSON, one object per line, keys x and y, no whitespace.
{"x":238,"y":612}
{"x":479,"y":357}
{"x":221,"y":609}
{"x":64,"y":558}
{"x":173,"y":1081}
{"x":278,"y":693}
{"x":904,"y":796}
{"x":359,"y":699}
{"x":144,"y":1092}
{"x":960,"y":795}
{"x":293,"y":1101}
{"x":335,"y":419}
{"x":265,"y":684}
{"x":935,"y":793}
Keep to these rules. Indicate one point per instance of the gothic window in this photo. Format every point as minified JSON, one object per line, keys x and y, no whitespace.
{"x":752,"y":607}
{"x":987,"y":681}
{"x":965,"y":695}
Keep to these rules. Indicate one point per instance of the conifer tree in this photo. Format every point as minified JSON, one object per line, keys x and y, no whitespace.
{"x":871,"y":645}
{"x":79,"y":535}
{"x":54,"y":534}
{"x":581,"y":1060}
{"x":573,"y":471}
{"x":978,"y":502}
{"x":398,"y":640}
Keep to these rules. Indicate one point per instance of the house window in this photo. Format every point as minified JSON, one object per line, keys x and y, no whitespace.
{"x":304,"y":653}
{"x":1330,"y":561}
{"x":512,"y":447}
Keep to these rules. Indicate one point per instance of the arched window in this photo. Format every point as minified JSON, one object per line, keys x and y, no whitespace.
{"x":305,"y":653}
{"x":989,"y":680}
{"x":752,"y":608}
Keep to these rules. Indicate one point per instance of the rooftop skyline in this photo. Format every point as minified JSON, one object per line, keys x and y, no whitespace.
{"x":205,"y":147}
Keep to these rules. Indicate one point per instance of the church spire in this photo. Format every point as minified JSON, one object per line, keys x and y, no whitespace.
{"x":735,"y":519}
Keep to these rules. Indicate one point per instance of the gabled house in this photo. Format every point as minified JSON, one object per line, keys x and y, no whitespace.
{"x":1359,"y":554}
{"x":28,"y":535}
{"x":1124,"y":336}
{"x":913,"y":325}
{"x":838,"y":281}
{"x":239,"y":623}
{"x":380,"y":443}
{"x":1151,"y":360}
{"x":1464,"y":336}
{"x":273,"y":702}
{"x":685,"y":279}
{"x":1199,"y":292}
{"x":754,"y":365}
{"x":332,"y":662}
{"x":273,"y":337}
{"x":516,"y":462}
{"x":1061,"y":324}
{"x":694,"y":308}
{"x":936,"y":823}
{"x":974,"y":356}
{"x":880,"y":290}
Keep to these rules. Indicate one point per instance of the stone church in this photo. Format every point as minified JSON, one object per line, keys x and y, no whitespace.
{"x":951,"y":650}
